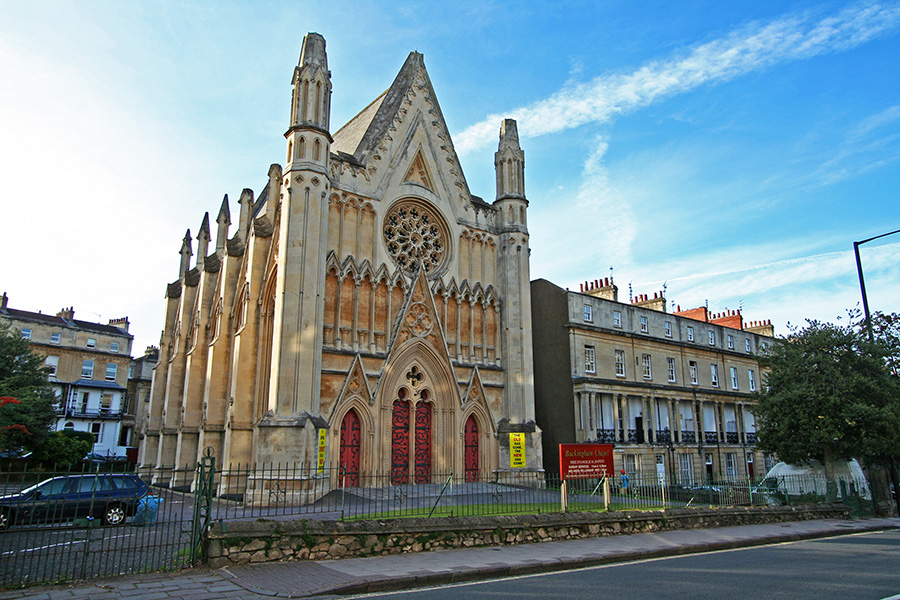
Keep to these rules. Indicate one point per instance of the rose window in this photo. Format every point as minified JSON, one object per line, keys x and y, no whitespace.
{"x":415,"y":234}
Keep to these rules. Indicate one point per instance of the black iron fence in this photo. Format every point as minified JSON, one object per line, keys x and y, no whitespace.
{"x":53,"y":540}
{"x":52,"y":532}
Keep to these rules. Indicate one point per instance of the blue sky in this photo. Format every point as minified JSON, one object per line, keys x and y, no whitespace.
{"x":729,"y":151}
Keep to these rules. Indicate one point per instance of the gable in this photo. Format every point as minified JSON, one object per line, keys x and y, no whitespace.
{"x":403,"y":125}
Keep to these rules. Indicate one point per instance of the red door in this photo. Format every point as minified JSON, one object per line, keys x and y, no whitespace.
{"x":400,"y":442}
{"x":470,"y":457}
{"x":350,"y":442}
{"x":423,"y":443}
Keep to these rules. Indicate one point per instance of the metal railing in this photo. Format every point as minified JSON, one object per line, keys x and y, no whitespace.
{"x":57,"y":538}
{"x":72,"y":544}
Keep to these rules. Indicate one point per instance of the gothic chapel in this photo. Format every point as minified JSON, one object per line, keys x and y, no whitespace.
{"x":364,"y":292}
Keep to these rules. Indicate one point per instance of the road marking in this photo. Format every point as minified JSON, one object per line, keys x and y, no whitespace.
{"x":69,"y":543}
{"x":619,"y":564}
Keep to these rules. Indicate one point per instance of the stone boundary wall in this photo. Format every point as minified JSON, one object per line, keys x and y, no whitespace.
{"x":239,"y":542}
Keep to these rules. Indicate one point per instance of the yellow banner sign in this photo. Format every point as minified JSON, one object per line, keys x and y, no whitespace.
{"x":321,"y":451}
{"x":517,"y":450}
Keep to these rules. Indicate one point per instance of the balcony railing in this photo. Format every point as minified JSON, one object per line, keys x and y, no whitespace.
{"x":710,"y":437}
{"x":663,"y":436}
{"x":731,"y":437}
{"x":606,"y":436}
{"x":688,"y":437}
{"x":82,"y":413}
{"x":750,"y":437}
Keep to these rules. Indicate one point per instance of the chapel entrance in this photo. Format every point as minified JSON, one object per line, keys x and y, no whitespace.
{"x":411,"y":442}
{"x":470,"y":458}
{"x":350,"y":448}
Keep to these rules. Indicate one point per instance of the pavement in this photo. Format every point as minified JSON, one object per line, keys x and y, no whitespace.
{"x":303,"y":579}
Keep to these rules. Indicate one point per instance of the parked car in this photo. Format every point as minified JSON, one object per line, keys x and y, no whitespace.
{"x":108,"y":497}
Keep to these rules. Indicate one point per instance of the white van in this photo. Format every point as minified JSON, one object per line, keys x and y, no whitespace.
{"x":809,"y":478}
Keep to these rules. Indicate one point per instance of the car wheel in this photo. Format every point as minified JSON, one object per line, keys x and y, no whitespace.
{"x":6,"y":518}
{"x":114,"y":515}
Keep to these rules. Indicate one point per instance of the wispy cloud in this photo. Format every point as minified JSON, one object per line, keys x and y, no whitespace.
{"x":780,"y":289}
{"x":751,"y":48}
{"x":870,"y":145}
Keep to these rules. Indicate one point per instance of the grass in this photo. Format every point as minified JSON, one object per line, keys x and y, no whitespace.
{"x":471,"y":510}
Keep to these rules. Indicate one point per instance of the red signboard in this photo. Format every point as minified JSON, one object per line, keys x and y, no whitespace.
{"x":585,"y":461}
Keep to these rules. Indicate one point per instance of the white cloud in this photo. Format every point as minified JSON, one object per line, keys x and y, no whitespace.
{"x":597,"y":214}
{"x":751,"y":48}
{"x":822,"y":286}
{"x":864,"y":148}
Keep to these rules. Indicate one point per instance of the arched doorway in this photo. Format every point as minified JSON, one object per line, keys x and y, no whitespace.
{"x":350,"y":448}
{"x":470,"y":458}
{"x":411,"y":442}
{"x":423,"y":440}
{"x":400,"y":440}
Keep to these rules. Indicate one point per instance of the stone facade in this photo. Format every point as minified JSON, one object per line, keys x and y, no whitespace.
{"x":89,"y":371}
{"x":240,"y":542}
{"x":365,"y":293}
{"x":672,"y":391}
{"x":140,"y":382}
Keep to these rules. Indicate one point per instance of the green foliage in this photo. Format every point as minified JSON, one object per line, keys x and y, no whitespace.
{"x":828,"y":396}
{"x":886,"y":333}
{"x":65,"y":449}
{"x":26,"y":413}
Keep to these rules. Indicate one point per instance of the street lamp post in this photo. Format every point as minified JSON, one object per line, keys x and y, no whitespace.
{"x":862,"y":282}
{"x":862,"y":289}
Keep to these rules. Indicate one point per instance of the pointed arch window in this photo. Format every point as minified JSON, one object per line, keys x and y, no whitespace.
{"x":240,"y":316}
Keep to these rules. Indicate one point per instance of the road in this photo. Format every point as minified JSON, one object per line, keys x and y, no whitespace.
{"x":61,"y":551}
{"x":857,"y":567}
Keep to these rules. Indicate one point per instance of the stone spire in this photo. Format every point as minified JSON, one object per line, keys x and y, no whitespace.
{"x":223,"y":220}
{"x":186,"y":253}
{"x":246,"y":203}
{"x":203,"y":241}
{"x":273,"y":191}
{"x":513,"y":270}
{"x":509,"y":162}
{"x":311,"y":105}
{"x":308,"y":138}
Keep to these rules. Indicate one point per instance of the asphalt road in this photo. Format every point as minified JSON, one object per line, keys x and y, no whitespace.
{"x":60,"y":551}
{"x":855,"y":567}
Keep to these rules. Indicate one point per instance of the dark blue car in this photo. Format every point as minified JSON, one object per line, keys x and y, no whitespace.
{"x":108,"y":497}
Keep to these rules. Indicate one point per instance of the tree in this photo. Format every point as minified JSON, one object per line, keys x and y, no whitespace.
{"x":829,"y":395}
{"x":65,"y":449}
{"x":26,"y":398}
{"x":886,"y":332}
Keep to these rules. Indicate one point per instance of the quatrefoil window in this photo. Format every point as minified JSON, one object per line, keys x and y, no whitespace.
{"x":414,"y":376}
{"x":414,"y":233}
